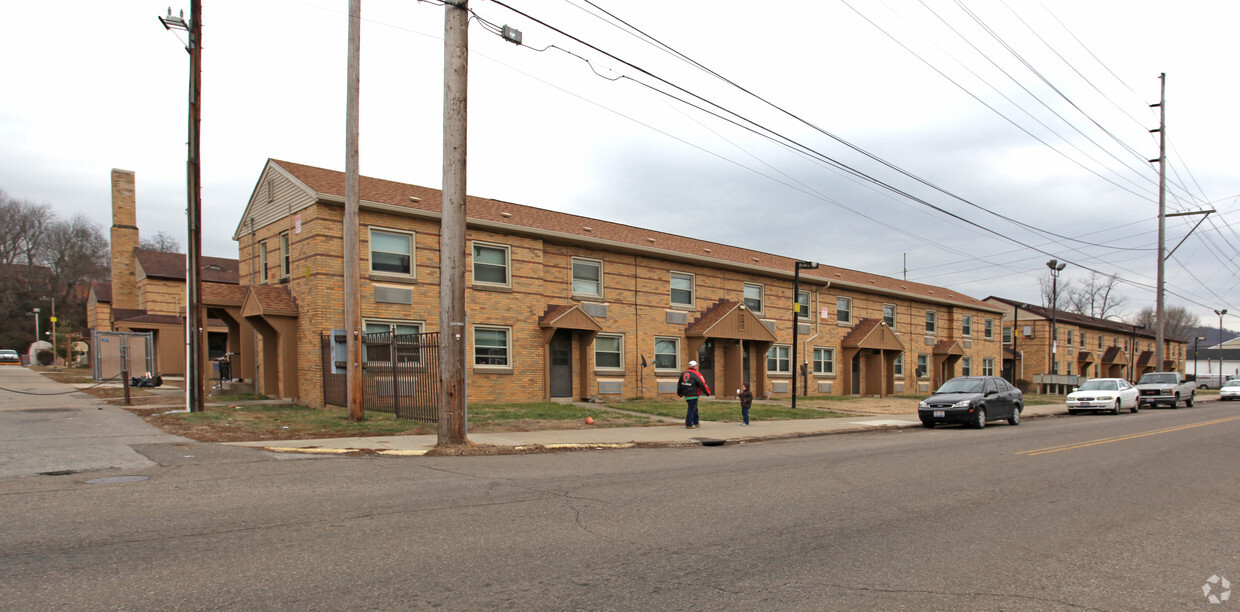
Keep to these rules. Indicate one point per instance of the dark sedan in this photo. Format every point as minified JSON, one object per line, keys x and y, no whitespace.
{"x":972,"y":400}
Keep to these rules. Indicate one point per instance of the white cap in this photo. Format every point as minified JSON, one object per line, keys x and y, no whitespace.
{"x":693,"y":364}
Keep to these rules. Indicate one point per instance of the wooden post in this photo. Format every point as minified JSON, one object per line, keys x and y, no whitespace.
{"x":352,"y":227}
{"x":452,"y":330}
{"x":194,"y":316}
{"x":1159,"y":313}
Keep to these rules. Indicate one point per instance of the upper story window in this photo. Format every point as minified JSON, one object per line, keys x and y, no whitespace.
{"x":262,"y":263}
{"x":1082,"y":338}
{"x":889,"y":315}
{"x":391,"y":252}
{"x":803,"y":304}
{"x":966,"y":325}
{"x":990,"y":329}
{"x":1069,"y":337}
{"x":587,"y":277}
{"x":286,"y":263}
{"x":491,"y":264}
{"x":843,"y":309}
{"x":930,"y":319}
{"x":754,"y":297}
{"x":1007,"y":334}
{"x":681,"y":289}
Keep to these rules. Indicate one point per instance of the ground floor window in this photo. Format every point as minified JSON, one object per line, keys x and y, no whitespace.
{"x":966,"y":366}
{"x":824,"y":361}
{"x":923,"y":365}
{"x":607,"y":351}
{"x":492,"y":347}
{"x":778,"y":359}
{"x":897,"y":366}
{"x":667,"y":353}
{"x":988,"y":366}
{"x":380,"y":352}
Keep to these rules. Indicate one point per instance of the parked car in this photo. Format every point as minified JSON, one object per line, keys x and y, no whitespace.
{"x":972,"y":400}
{"x":1168,"y":388}
{"x":1112,"y":394}
{"x":10,"y":356}
{"x":1230,"y":390}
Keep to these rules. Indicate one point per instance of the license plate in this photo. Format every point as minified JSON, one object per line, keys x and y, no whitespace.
{"x":938,"y":414}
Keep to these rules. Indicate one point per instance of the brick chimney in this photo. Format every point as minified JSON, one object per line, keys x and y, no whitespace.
{"x":124,"y":240}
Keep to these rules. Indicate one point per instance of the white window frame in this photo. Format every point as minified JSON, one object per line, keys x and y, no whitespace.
{"x":829,"y":361}
{"x":988,"y":366}
{"x":1007,"y":334}
{"x":392,"y":325}
{"x":808,"y":303}
{"x":843,"y":305}
{"x":473,"y":268}
{"x":988,"y":331}
{"x":897,"y":366}
{"x":619,"y":352}
{"x":675,"y":367}
{"x":923,"y":365}
{"x":761,"y":289}
{"x":786,"y":359}
{"x":932,"y":322}
{"x":598,"y":263}
{"x":692,"y":278}
{"x":412,"y":273}
{"x":262,"y":262}
{"x":966,"y":366}
{"x":286,"y":258}
{"x":894,"y":312}
{"x":966,"y":326}
{"x":507,"y":365}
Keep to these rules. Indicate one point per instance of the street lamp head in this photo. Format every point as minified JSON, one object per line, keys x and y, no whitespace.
{"x":807,"y":265}
{"x":1052,"y":263}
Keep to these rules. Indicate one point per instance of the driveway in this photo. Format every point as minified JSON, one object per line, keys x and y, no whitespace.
{"x":48,"y":427}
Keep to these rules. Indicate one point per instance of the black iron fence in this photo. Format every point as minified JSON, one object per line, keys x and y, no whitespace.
{"x":400,"y":373}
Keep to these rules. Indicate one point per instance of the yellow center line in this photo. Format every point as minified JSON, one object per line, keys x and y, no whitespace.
{"x":1078,"y":445}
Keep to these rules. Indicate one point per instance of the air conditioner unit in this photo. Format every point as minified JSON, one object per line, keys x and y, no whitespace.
{"x":1028,"y":331}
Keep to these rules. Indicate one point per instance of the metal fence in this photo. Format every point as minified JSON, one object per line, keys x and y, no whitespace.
{"x":400,"y":373}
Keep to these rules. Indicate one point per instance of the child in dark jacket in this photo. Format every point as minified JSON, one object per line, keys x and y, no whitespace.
{"x":746,"y":398}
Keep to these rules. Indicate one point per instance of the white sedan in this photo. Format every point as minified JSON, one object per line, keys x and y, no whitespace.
{"x":1230,"y":390}
{"x":1113,"y":394}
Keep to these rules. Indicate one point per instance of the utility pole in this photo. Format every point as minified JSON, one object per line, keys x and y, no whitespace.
{"x":1159,"y":322}
{"x":352,"y":227}
{"x":796,"y":321}
{"x":452,"y":330}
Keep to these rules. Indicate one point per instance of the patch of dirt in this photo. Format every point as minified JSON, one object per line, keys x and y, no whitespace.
{"x":865,"y":405}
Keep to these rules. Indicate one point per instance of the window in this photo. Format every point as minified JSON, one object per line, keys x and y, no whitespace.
{"x":1125,"y":344}
{"x":966,"y":366}
{"x":608,"y":350}
{"x":889,"y":315}
{"x":490,"y":264}
{"x":778,"y":360}
{"x":1007,"y":334}
{"x":897,"y":366}
{"x":990,"y":329}
{"x":587,"y":277}
{"x":988,"y":366}
{"x":824,"y":361}
{"x":379,"y":348}
{"x":930,"y":318}
{"x":681,"y":289}
{"x":667,"y":353}
{"x":1069,"y":337}
{"x":1099,"y":340}
{"x":923,"y":365}
{"x":391,"y":252}
{"x":491,"y":349}
{"x":262,"y":263}
{"x":803,"y":304}
{"x":966,"y":325}
{"x":285,"y":261}
{"x":1082,"y":338}
{"x":843,"y":309}
{"x":753,"y":297}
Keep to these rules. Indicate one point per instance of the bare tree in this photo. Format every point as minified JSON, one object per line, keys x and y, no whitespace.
{"x":162,"y":242}
{"x":22,"y":225}
{"x":1047,"y":284}
{"x":1096,"y":296}
{"x":1180,"y":323}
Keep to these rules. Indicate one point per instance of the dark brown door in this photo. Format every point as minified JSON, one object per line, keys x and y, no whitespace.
{"x":562,"y":363}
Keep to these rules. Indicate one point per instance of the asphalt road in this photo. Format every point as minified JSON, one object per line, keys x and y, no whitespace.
{"x":1127,"y":512}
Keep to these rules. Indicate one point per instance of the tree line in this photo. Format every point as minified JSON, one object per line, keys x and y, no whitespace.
{"x":1097,"y":296}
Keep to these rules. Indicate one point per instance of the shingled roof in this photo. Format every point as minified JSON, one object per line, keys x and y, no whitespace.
{"x":328,"y":185}
{"x":1071,"y":318}
{"x":171,"y":266}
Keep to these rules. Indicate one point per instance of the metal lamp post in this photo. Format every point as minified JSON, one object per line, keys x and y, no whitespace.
{"x":796,"y":318}
{"x":1056,"y":267}
{"x":1195,"y":372}
{"x":1220,"y":314}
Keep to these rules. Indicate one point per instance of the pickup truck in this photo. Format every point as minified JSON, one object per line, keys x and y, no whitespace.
{"x":1165,"y":388}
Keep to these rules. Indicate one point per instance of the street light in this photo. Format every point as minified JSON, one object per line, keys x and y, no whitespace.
{"x":1056,"y":267}
{"x":1220,"y":314}
{"x":796,"y":319}
{"x":1196,"y":374}
{"x":35,"y":312}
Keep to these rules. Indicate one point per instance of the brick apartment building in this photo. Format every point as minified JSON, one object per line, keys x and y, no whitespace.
{"x":1088,"y":347}
{"x":563,"y":306}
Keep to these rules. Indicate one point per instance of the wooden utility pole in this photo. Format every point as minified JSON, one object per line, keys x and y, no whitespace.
{"x":1159,"y":319}
{"x":452,"y":332}
{"x":195,"y":314}
{"x":352,"y":227}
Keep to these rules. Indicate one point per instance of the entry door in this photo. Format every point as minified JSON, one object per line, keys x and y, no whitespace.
{"x":856,"y":374}
{"x":706,"y":362}
{"x":562,"y":363}
{"x":745,"y":361}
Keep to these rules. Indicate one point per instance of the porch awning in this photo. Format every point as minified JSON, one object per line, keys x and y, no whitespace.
{"x":568,"y":316}
{"x":731,"y":321}
{"x":1115,"y":356}
{"x":872,"y":334}
{"x":948,"y":347}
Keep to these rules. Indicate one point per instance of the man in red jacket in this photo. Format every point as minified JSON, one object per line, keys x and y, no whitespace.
{"x":691,"y":386}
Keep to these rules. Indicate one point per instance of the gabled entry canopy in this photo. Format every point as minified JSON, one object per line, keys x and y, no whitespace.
{"x":948,"y":347}
{"x":872,"y":334}
{"x":1085,"y":357}
{"x":731,"y":321}
{"x":1115,"y":356}
{"x":568,"y":316}
{"x":268,"y":301}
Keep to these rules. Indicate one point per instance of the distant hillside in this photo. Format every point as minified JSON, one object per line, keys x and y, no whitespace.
{"x":1211,"y":335}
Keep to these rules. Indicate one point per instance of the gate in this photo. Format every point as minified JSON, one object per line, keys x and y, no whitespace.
{"x":400,"y":373}
{"x":113,"y":352}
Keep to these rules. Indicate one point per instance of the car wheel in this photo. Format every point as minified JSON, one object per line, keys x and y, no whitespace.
{"x":1115,"y":410}
{"x":979,"y":418}
{"x":1136,"y":406}
{"x":1175,"y":402}
{"x":1189,"y":402}
{"x":1015,"y":420}
{"x":928,"y":424}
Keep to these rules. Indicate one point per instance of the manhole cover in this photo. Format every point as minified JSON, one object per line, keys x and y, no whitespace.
{"x":116,"y":479}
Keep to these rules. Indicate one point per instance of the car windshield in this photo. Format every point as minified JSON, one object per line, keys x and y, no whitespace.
{"x":961,"y":385}
{"x":1232,"y":383}
{"x":1099,"y":385}
{"x":1168,"y":379}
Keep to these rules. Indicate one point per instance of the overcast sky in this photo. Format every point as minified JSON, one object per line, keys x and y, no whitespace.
{"x":1030,"y":119}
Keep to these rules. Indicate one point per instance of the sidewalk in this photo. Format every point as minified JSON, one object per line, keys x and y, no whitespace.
{"x":708,"y":434}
